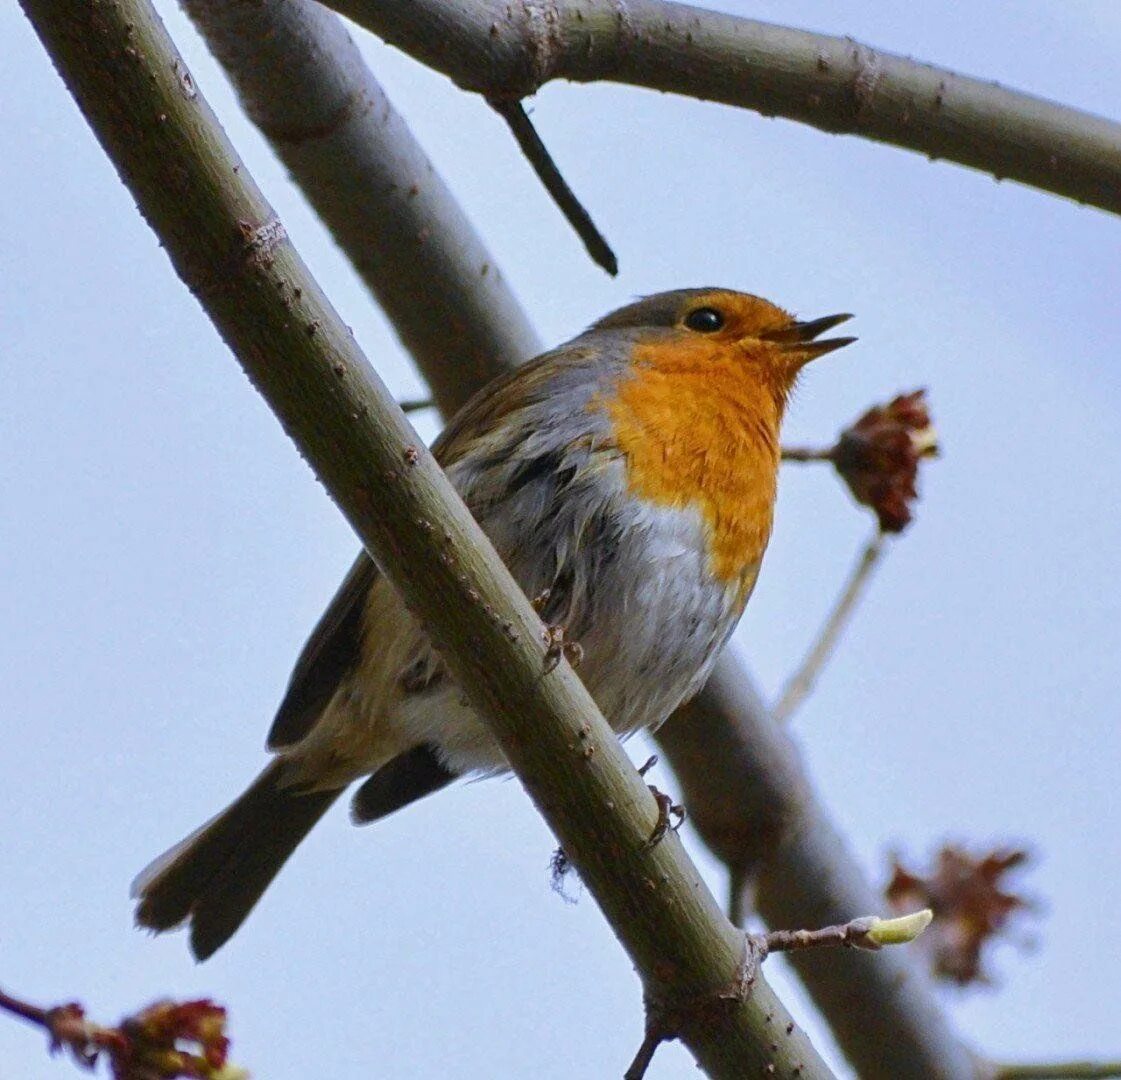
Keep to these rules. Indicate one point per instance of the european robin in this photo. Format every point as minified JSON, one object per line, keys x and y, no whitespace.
{"x":628,"y":480}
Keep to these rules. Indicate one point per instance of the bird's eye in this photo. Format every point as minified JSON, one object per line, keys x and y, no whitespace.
{"x":705,"y":320}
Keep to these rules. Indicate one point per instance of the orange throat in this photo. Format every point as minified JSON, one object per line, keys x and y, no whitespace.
{"x":698,"y":428}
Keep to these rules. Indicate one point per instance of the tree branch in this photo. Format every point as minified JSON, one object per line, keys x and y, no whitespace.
{"x":835,"y":84}
{"x":751,"y":800}
{"x":355,"y":159}
{"x":1062,"y":1070}
{"x":537,"y":154}
{"x":744,"y":782}
{"x":227,"y":246}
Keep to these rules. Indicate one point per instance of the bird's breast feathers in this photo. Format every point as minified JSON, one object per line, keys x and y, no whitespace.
{"x":695,"y":434}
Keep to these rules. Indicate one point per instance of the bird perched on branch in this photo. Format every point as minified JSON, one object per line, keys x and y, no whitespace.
{"x":628,"y":481}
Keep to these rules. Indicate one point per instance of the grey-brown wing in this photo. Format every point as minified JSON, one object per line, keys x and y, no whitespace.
{"x":331,"y":653}
{"x":333,"y":650}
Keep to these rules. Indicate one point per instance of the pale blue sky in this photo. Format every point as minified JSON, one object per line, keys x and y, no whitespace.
{"x":164,"y":552}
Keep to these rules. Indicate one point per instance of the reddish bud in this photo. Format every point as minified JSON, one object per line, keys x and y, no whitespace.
{"x":878,"y":457}
{"x":167,"y":1040}
{"x":173,"y":1039}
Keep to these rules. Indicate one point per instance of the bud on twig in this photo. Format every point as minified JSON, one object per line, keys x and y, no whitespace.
{"x":165,"y":1041}
{"x":878,"y":457}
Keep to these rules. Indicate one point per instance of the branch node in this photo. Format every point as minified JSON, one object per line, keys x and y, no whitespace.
{"x":667,"y":1017}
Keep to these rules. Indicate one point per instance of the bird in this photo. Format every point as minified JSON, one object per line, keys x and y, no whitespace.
{"x":628,"y":480}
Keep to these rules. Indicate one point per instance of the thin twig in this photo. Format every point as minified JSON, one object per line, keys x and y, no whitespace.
{"x":868,"y":932}
{"x":547,"y":172}
{"x":165,"y":1039}
{"x":32,"y":1013}
{"x":411,"y":405}
{"x":807,"y":453}
{"x":802,"y":681}
{"x":645,"y":1054}
{"x":1063,"y":1070}
{"x":66,"y":1027}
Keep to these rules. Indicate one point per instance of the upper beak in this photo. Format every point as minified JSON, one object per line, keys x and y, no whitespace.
{"x":800,"y":337}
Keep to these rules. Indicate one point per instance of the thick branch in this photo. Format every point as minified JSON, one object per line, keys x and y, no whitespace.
{"x":835,"y":84}
{"x":228,"y":247}
{"x":750,"y":798}
{"x":744,"y":781}
{"x":305,"y":85}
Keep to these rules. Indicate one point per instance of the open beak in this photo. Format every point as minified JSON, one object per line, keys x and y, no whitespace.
{"x":801,"y":337}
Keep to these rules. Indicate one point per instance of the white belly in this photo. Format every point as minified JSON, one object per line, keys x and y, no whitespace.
{"x":650,"y":624}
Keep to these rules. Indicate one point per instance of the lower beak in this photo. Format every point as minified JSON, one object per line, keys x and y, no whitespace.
{"x":800,"y":337}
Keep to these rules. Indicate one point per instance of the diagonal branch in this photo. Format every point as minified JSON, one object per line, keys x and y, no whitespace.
{"x":838,"y":85}
{"x":226,"y":244}
{"x":304,"y":83}
{"x":751,"y":800}
{"x":748,"y":792}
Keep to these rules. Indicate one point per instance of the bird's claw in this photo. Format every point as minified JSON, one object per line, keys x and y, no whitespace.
{"x":667,"y":809}
{"x":557,"y":648}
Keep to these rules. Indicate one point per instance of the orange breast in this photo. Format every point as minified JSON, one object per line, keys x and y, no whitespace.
{"x":699,"y":428}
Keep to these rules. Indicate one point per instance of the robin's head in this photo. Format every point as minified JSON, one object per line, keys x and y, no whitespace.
{"x":770,"y":340}
{"x":696,"y":415}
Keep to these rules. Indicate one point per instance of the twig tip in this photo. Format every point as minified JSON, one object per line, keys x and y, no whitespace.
{"x":900,"y":930}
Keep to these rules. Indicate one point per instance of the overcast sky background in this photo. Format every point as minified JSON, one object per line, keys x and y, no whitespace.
{"x":164,"y":552}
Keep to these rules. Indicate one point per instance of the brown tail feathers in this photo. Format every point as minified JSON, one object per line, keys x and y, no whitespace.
{"x":215,"y":876}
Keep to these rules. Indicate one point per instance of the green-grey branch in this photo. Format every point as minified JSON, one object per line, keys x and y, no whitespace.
{"x":747,"y":789}
{"x":1059,"y":1070}
{"x":228,"y":247}
{"x":503,"y":50}
{"x":303,"y":82}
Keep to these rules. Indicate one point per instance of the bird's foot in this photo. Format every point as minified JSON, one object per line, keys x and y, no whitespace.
{"x":558,"y":647}
{"x":667,"y":809}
